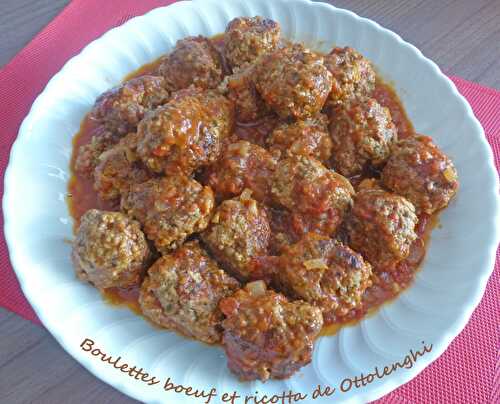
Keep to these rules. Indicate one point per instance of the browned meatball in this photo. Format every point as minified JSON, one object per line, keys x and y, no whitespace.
{"x":307,"y":138}
{"x":282,"y":232}
{"x":238,"y":232}
{"x":119,"y":168}
{"x":248,"y":38}
{"x":353,"y":75}
{"x":109,"y":250}
{"x":122,"y":108}
{"x":294,"y":82}
{"x":87,"y":157}
{"x":242,"y":165}
{"x":381,"y":226}
{"x":325,"y":273}
{"x":240,"y":89}
{"x":186,"y":133}
{"x":288,"y":228}
{"x":170,"y":209}
{"x":265,"y":335}
{"x":303,"y":185}
{"x":182,"y":292}
{"x":421,"y":172}
{"x":362,"y":132}
{"x":194,"y":61}
{"x":369,"y":183}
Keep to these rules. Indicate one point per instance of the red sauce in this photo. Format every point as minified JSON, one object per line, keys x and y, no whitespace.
{"x":387,"y":285}
{"x":386,"y":96}
{"x":149,"y":68}
{"x":124,"y":296}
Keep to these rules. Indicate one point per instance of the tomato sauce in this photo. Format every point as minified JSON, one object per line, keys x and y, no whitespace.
{"x":124,"y":296}
{"x":256,"y":132}
{"x":386,"y":286}
{"x":386,"y":95}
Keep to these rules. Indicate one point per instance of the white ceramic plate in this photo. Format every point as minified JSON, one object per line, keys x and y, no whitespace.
{"x":433,"y":310}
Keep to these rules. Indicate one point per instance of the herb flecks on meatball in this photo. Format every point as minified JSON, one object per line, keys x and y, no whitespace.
{"x":187,"y":133}
{"x":381,"y":226}
{"x":353,"y":75}
{"x":242,"y":165}
{"x":306,"y":187}
{"x":246,"y":39}
{"x":193,"y":61}
{"x":170,"y":209}
{"x":122,"y":108}
{"x":421,"y":172}
{"x":325,"y":273}
{"x":362,"y":132}
{"x":182,"y":292}
{"x":238,"y":233}
{"x":109,"y":250}
{"x":294,"y":82}
{"x":306,"y":138}
{"x":265,"y":335}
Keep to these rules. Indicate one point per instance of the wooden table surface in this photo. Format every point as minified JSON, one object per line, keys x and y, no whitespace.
{"x":462,"y":36}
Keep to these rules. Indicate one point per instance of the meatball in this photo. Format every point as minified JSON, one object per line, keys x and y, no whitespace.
{"x":303,"y":185}
{"x":307,"y":138}
{"x":87,"y":157}
{"x":248,"y":38}
{"x":325,"y":273}
{"x":194,"y":61}
{"x":282,"y":232}
{"x":242,"y":165}
{"x":238,"y":232}
{"x":294,"y":82}
{"x":362,"y":132}
{"x":288,"y":228}
{"x":169,"y":208}
{"x":182,"y":292}
{"x":266,"y":336}
{"x":353,"y":75}
{"x":119,"y":168}
{"x":240,"y":89}
{"x":109,"y":250}
{"x":122,"y":108}
{"x":421,"y":172}
{"x":381,"y":226}
{"x":185,"y":134}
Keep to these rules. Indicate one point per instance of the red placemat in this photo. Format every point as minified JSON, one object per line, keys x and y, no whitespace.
{"x":469,"y":370}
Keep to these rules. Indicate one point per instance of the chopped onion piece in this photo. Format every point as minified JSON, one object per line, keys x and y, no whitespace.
{"x":257,"y":288}
{"x":318,"y":263}
{"x":246,"y":194}
{"x":450,"y":174}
